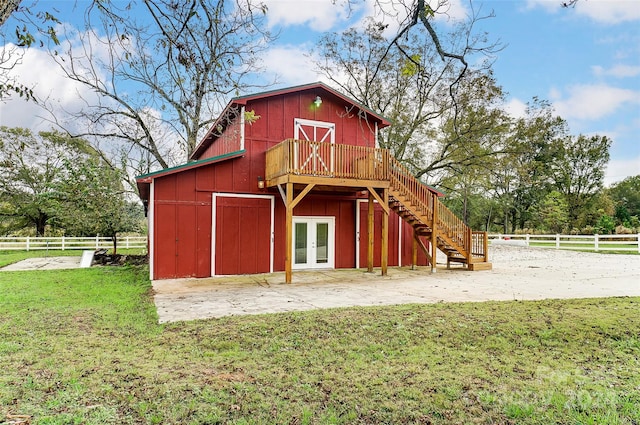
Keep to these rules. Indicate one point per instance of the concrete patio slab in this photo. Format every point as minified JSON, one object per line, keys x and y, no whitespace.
{"x":44,"y":263}
{"x":519,"y":273}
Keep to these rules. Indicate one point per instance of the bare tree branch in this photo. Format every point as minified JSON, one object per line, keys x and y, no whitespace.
{"x":156,"y":79}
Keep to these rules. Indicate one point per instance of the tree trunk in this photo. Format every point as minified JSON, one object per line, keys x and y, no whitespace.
{"x":41,"y":223}
{"x":465,"y":215}
{"x":505,"y":223}
{"x":486,"y":228}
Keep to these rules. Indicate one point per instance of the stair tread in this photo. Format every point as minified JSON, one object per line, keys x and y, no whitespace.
{"x":448,"y":240}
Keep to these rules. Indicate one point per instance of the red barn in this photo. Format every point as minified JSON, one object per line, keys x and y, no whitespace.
{"x":294,"y":179}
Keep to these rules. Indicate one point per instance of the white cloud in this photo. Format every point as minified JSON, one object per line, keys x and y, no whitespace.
{"x":516,"y":108}
{"x":294,"y":65}
{"x":593,"y":101}
{"x":619,"y":169}
{"x":39,"y":71}
{"x":452,"y":10}
{"x":548,"y":5}
{"x":290,"y":64}
{"x":395,"y":13}
{"x":325,"y":15}
{"x":319,"y":15}
{"x":609,"y":12}
{"x":618,"y":71}
{"x":602,"y":11}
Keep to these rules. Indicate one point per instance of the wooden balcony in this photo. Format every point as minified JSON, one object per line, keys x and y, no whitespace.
{"x":326,"y":164}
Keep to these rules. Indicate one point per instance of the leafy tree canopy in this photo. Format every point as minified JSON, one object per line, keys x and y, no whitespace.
{"x":51,"y":179}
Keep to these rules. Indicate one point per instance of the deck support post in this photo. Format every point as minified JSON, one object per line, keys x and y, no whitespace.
{"x":384,"y":260}
{"x":289,"y":233}
{"x":383,"y":201}
{"x":414,"y":250}
{"x":485,"y":246}
{"x":370,"y":239}
{"x":434,"y":234}
{"x":290,"y":204}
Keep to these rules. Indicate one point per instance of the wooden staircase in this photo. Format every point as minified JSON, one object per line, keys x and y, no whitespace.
{"x":420,"y":207}
{"x":312,"y":163}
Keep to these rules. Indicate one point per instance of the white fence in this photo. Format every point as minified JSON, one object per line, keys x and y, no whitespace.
{"x":629,"y":243}
{"x":65,"y":242}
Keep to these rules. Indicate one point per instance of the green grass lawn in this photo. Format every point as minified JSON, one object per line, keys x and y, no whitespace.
{"x":608,"y":248}
{"x":10,"y":257}
{"x":83,"y":346}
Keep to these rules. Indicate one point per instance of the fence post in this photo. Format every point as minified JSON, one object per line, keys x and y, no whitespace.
{"x":595,"y":242}
{"x":97,"y":242}
{"x":63,"y":242}
{"x":526,"y":238}
{"x":638,"y":240}
{"x":557,"y":241}
{"x":127,"y":242}
{"x":27,"y":243}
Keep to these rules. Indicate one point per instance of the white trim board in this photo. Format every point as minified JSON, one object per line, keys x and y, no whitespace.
{"x":214,"y":198}
{"x":242,"y":111}
{"x":152,"y":230}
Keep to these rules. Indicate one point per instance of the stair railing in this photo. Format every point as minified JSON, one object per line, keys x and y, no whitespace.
{"x":411,"y":188}
{"x":424,"y":200}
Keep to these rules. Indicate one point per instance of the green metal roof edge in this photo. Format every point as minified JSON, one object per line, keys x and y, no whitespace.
{"x":192,"y":164}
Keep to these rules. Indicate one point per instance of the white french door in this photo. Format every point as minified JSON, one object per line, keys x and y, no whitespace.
{"x":313,"y":243}
{"x":318,"y":158}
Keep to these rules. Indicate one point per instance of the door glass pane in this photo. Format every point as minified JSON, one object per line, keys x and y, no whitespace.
{"x":322,"y":243}
{"x":300,"y":256}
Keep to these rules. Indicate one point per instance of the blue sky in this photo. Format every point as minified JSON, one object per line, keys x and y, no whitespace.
{"x":585,"y":60}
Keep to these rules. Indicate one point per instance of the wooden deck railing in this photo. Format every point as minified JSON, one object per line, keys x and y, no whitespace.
{"x":303,"y":157}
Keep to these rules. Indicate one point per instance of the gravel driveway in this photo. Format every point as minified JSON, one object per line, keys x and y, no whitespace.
{"x":519,"y":273}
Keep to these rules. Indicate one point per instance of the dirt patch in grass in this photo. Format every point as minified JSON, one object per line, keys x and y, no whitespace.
{"x":105,"y":259}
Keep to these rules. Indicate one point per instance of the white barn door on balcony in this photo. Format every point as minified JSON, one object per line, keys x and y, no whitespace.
{"x":314,"y":158}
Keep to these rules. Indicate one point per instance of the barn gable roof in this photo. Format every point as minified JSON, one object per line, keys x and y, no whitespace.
{"x":232,"y":106}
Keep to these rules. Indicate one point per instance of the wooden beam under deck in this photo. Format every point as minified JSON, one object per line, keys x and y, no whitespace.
{"x":370,"y":240}
{"x":384,"y":261}
{"x":327,"y":181}
{"x":382,"y":202}
{"x":418,"y":243}
{"x":288,"y":263}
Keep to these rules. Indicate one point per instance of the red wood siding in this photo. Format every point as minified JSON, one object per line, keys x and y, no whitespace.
{"x":407,"y":246}
{"x":229,"y":141}
{"x":182,"y":221}
{"x":243,"y":235}
{"x":395,"y":227}
{"x":277,"y":115}
{"x":377,"y":246}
